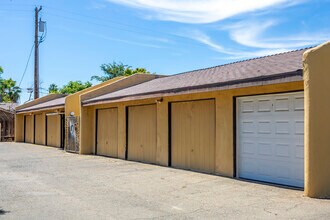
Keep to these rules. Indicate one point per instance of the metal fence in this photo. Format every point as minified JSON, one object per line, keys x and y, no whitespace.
{"x":6,"y":125}
{"x":72,"y":133}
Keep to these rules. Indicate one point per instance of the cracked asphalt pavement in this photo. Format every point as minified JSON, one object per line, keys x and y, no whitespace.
{"x":38,"y":182}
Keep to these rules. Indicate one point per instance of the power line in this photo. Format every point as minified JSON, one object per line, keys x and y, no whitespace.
{"x":101,"y":19}
{"x":23,"y":5}
{"x":150,"y":31}
{"x":182,"y":39}
{"x":113,"y":22}
{"x":91,"y":17}
{"x":26,"y":66}
{"x":13,"y":10}
{"x":103,"y":25}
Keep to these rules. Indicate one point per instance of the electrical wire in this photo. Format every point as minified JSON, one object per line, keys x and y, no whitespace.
{"x":150,"y":31}
{"x":13,"y":10}
{"x":181,"y":39}
{"x":93,"y":23}
{"x":95,"y":18}
{"x":101,"y":19}
{"x":178,"y":37}
{"x":26,"y":66}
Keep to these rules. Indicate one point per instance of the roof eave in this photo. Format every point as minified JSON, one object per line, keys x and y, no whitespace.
{"x":206,"y":86}
{"x":46,"y":108}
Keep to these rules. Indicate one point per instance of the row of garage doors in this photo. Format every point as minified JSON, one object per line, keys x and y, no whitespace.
{"x":52,"y":126}
{"x":269,"y":136}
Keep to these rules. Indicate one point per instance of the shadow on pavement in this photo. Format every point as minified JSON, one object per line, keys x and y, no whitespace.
{"x":3,"y":212}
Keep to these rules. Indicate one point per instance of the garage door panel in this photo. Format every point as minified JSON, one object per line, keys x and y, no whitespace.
{"x":54,"y":130}
{"x":299,"y":172}
{"x":299,"y":151}
{"x":29,"y":128}
{"x":298,"y":103}
{"x":270,"y":132}
{"x":142,"y":133}
{"x":39,"y":129}
{"x":193,"y":135}
{"x":107,"y":132}
{"x":265,"y":149}
{"x":264,"y":105}
{"x":291,"y":128}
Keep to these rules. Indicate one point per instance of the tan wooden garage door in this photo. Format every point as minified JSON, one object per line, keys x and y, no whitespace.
{"x":107,"y":132}
{"x":39,"y":129}
{"x":54,"y":130}
{"x":142,"y":133}
{"x":29,"y":129}
{"x":193,"y":135}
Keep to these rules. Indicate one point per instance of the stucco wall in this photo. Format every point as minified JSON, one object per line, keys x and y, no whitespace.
{"x":72,"y":102}
{"x":121,"y":83}
{"x":40,"y":130}
{"x":87,"y":119}
{"x":317,"y":121}
{"x":224,"y":122}
{"x":19,"y":128}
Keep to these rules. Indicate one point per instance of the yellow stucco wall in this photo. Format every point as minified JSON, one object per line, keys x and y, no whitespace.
{"x":40,"y":130}
{"x":19,"y":117}
{"x":72,"y":102}
{"x":224,"y":122}
{"x":87,"y":128}
{"x":317,"y":121}
{"x":19,"y":128}
{"x":122,"y":82}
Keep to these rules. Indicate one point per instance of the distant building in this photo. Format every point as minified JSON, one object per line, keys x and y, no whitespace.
{"x":7,"y":116}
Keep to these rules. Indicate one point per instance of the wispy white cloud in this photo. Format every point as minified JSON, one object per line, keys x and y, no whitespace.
{"x":253,"y":39}
{"x":204,"y":39}
{"x":253,"y":34}
{"x":231,"y":53}
{"x":202,"y":11}
{"x":97,"y":5}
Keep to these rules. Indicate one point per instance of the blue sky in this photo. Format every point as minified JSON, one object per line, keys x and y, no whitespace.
{"x":164,"y":36}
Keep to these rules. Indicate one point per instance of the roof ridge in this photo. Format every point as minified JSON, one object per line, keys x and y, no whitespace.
{"x":241,"y":61}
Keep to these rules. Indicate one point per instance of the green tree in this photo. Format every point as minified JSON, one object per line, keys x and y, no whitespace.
{"x":70,"y":88}
{"x":53,"y":89}
{"x":74,"y":86}
{"x":114,"y":69}
{"x":10,"y":92}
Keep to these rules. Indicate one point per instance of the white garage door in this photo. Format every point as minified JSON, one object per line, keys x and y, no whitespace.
{"x":270,"y":138}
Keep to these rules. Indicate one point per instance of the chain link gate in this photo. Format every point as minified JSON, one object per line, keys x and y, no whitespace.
{"x":72,"y":133}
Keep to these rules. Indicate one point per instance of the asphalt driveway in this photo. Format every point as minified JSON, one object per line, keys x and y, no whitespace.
{"x":38,"y":182}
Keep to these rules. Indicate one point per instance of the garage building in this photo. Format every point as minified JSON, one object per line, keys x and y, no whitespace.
{"x":244,"y":119}
{"x":265,"y":119}
{"x":42,"y":121}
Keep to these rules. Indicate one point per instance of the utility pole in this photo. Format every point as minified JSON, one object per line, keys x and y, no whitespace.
{"x":36,"y":53}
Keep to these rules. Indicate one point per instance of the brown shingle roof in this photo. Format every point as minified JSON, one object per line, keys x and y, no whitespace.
{"x":284,"y":65}
{"x":55,"y":103}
